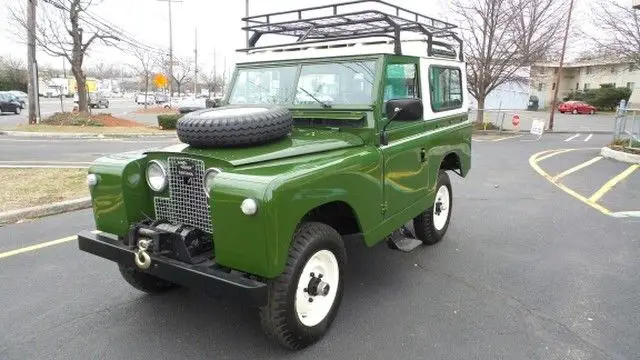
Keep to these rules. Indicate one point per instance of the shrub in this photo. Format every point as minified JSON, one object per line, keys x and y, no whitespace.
{"x":605,"y":98}
{"x":167,"y":122}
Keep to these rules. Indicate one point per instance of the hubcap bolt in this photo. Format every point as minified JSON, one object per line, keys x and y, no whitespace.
{"x":310,"y":299}
{"x":319,"y":276}
{"x":305,"y":290}
{"x":312,"y":275}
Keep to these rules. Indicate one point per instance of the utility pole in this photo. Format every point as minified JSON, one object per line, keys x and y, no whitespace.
{"x":34,"y":111}
{"x":559,"y":74}
{"x":195,"y":79}
{"x":64,"y":68}
{"x":170,"y":49}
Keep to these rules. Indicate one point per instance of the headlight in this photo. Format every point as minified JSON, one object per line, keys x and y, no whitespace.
{"x":156,"y":176}
{"x":209,"y":176}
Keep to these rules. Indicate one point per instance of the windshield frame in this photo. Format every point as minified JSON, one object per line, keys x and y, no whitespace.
{"x":377,"y":60}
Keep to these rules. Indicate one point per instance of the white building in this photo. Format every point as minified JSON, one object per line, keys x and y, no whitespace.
{"x":584,"y":75}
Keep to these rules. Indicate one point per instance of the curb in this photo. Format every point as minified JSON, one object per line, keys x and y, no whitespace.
{"x":511,"y":132}
{"x":82,"y":135}
{"x":13,"y":216}
{"x":622,"y":156}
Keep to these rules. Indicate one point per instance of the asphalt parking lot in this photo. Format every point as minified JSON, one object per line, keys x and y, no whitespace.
{"x":528,"y":270}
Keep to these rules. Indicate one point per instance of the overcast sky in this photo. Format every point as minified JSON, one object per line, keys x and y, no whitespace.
{"x":218,"y":23}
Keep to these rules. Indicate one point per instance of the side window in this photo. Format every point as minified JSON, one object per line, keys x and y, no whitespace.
{"x":446,"y":88}
{"x":401,"y":82}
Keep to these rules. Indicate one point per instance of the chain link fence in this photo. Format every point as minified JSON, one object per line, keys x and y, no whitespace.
{"x":627,"y":127}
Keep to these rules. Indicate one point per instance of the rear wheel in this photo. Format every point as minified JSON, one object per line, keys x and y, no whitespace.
{"x":431,"y":225}
{"x":17,"y":111}
{"x":592,"y":112}
{"x":145,"y":282}
{"x":304,"y":299}
{"x":574,"y":112}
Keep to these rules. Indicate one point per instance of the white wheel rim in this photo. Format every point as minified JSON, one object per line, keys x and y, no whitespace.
{"x":312,"y":313}
{"x":441,"y":211}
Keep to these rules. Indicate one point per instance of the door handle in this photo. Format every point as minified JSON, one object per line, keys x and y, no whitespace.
{"x":423,"y":155}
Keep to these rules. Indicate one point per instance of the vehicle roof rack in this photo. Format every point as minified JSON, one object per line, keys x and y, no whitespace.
{"x":343,"y":24}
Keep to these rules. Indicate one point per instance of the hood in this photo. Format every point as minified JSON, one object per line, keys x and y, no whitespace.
{"x":300,"y":142}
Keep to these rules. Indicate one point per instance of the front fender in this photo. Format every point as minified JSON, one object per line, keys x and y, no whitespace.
{"x":121,"y":196}
{"x":355,"y":179}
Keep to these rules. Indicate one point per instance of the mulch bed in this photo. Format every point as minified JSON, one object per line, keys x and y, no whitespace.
{"x":85,"y":119}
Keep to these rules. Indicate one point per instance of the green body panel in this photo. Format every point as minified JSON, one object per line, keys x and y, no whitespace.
{"x":384,"y":185}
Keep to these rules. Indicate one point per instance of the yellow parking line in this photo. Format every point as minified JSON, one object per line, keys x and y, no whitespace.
{"x":611,"y":183}
{"x":533,"y":162}
{"x":576,"y":168}
{"x":39,"y":246}
{"x":553,"y":153}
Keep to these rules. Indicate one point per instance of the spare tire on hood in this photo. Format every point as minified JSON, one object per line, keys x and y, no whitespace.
{"x":234,"y":126}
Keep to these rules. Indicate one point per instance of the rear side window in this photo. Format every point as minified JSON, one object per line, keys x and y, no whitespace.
{"x":446,"y":88}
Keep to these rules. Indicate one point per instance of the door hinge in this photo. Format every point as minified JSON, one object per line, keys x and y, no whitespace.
{"x":383,"y":207}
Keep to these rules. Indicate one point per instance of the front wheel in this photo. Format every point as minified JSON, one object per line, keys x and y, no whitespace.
{"x":17,"y":111}
{"x":574,"y":112}
{"x":431,"y":225}
{"x":304,"y":299}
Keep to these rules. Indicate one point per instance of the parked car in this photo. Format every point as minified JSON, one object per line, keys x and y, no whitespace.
{"x":161,"y":98}
{"x":191,"y":104}
{"x":149,"y":99}
{"x":21,"y":95}
{"x":259,"y":200}
{"x":15,"y":97}
{"x":96,"y":100}
{"x":576,"y":107}
{"x":9,"y":103}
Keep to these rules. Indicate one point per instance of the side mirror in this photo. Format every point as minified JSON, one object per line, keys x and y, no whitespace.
{"x":404,"y":109}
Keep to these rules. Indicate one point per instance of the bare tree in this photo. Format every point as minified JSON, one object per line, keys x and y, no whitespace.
{"x":62,"y":31}
{"x":182,"y":73}
{"x":13,"y":73}
{"x":502,"y":37}
{"x":618,"y":29}
{"x":144,"y":68}
{"x":103,"y":71}
{"x":213,"y":82}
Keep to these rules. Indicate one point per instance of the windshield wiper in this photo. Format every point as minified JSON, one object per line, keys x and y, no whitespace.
{"x":324,"y":104}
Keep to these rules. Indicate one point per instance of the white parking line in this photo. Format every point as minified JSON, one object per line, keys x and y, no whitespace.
{"x":572,"y":137}
{"x":588,"y":137}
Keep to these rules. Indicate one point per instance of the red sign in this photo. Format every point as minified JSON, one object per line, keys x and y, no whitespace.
{"x":516,"y":120}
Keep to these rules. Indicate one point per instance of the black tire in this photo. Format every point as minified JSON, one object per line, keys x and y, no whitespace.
{"x":145,"y":282}
{"x":278,"y":318}
{"x":17,"y":110}
{"x":216,"y":128}
{"x":424,"y":224}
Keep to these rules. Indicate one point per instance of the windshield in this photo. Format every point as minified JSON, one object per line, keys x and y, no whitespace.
{"x":342,"y":83}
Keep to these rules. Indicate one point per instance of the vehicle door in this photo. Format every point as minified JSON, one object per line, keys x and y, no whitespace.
{"x":404,"y":158}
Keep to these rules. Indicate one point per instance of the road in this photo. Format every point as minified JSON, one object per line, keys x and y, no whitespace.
{"x":599,"y":122}
{"x":117,"y":107}
{"x":526,"y":271}
{"x":23,"y":150}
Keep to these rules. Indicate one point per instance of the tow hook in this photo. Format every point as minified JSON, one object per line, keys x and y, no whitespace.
{"x":141,"y":257}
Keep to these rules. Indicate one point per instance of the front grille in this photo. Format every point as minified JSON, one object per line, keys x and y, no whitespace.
{"x":187,"y":203}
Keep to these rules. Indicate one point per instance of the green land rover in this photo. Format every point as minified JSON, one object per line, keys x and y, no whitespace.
{"x":345,"y":133}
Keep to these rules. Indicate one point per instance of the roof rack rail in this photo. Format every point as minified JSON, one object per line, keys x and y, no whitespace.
{"x":342,"y":24}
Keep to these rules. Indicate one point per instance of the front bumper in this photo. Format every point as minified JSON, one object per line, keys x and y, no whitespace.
{"x":207,"y":278}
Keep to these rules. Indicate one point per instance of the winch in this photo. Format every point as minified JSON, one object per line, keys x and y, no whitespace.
{"x":175,"y":241}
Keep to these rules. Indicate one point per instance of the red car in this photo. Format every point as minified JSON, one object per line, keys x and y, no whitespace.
{"x":576,"y":107}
